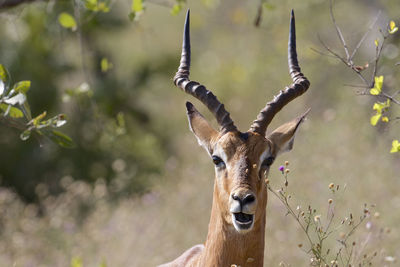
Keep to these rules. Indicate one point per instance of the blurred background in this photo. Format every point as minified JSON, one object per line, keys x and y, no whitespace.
{"x":136,"y":189}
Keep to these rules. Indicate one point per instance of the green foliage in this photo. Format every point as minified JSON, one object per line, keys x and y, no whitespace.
{"x":97,"y":6}
{"x":377,"y":86}
{"x":392,"y":27}
{"x":15,"y":105}
{"x":381,"y":108}
{"x":395,"y":146}
{"x":67,"y":21}
{"x":105,"y":65}
{"x":177,"y":7}
{"x":137,"y":9}
{"x":76,"y":262}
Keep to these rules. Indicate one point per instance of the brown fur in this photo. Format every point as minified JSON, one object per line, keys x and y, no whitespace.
{"x":224,"y":245}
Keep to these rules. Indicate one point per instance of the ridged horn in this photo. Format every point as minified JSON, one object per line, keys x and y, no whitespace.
{"x":297,"y":88}
{"x":198,"y":90}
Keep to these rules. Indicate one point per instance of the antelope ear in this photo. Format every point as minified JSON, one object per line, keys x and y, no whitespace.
{"x":204,"y":133}
{"x":283,"y":137}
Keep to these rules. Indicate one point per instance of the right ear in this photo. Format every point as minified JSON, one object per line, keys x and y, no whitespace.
{"x":204,"y":133}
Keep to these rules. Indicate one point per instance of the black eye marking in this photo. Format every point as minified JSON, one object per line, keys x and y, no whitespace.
{"x":218,"y":161}
{"x":268,"y":161}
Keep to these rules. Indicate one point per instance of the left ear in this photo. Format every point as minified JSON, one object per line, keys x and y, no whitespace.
{"x":283,"y":136}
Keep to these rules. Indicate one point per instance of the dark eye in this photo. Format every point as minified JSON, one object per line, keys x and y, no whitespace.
{"x":268,"y":161}
{"x":218,"y":161}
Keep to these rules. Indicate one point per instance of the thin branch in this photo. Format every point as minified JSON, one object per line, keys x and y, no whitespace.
{"x":365,"y":36}
{"x":339,"y":32}
{"x":384,"y":95}
{"x":321,"y":53}
{"x":377,"y":57}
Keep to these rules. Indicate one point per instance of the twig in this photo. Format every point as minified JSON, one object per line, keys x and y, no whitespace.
{"x":321,"y":53}
{"x":364,"y":36}
{"x":339,"y":33}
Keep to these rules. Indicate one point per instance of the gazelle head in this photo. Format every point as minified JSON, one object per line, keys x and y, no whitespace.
{"x":242,"y":159}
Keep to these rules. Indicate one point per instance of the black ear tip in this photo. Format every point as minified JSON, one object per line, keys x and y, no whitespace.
{"x":189,"y":107}
{"x":292,"y":13}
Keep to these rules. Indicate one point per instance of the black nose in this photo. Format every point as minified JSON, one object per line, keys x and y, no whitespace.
{"x":248,"y":199}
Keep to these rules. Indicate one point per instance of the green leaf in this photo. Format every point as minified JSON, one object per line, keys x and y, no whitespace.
{"x":381,"y":106}
{"x":132,"y":16}
{"x":377,"y":86}
{"x":22,"y":86}
{"x":395,"y":146}
{"x":35,"y":122}
{"x":375,"y":119}
{"x":91,"y":5}
{"x":76,"y":262}
{"x":64,"y":141}
{"x":392,"y":27}
{"x":376,"y":42}
{"x":12,"y":111}
{"x":374,"y":91}
{"x":3,"y":74}
{"x":25,"y":135}
{"x":176,"y":8}
{"x":67,"y":21}
{"x":137,"y":8}
{"x":105,"y":65}
{"x":137,"y":5}
{"x":385,"y":119}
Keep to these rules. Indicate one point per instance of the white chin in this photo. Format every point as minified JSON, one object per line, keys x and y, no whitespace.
{"x":243,"y":226}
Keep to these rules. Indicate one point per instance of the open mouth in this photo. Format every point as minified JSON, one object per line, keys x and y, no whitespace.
{"x":242,"y":220}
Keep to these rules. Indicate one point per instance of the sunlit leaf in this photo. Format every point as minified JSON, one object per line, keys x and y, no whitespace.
{"x":392,"y":27}
{"x":17,"y":99}
{"x":11,"y":111}
{"x":385,"y":119}
{"x":379,"y":82}
{"x":374,"y":91}
{"x":76,"y":262}
{"x":67,"y":21}
{"x":105,"y":65}
{"x":102,"y":6}
{"x":377,"y":86}
{"x":176,"y":8}
{"x":136,"y":9}
{"x":395,"y":146}
{"x":22,"y":86}
{"x":376,"y":42}
{"x":38,"y":118}
{"x":64,"y":141}
{"x":375,"y":119}
{"x":3,"y":73}
{"x":381,"y":106}
{"x":25,"y":135}
{"x":137,"y":5}
{"x":91,"y":5}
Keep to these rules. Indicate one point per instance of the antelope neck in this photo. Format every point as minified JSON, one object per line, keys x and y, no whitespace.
{"x":225,"y":246}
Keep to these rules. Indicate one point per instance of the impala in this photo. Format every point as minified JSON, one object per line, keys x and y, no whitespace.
{"x":242,"y":161}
